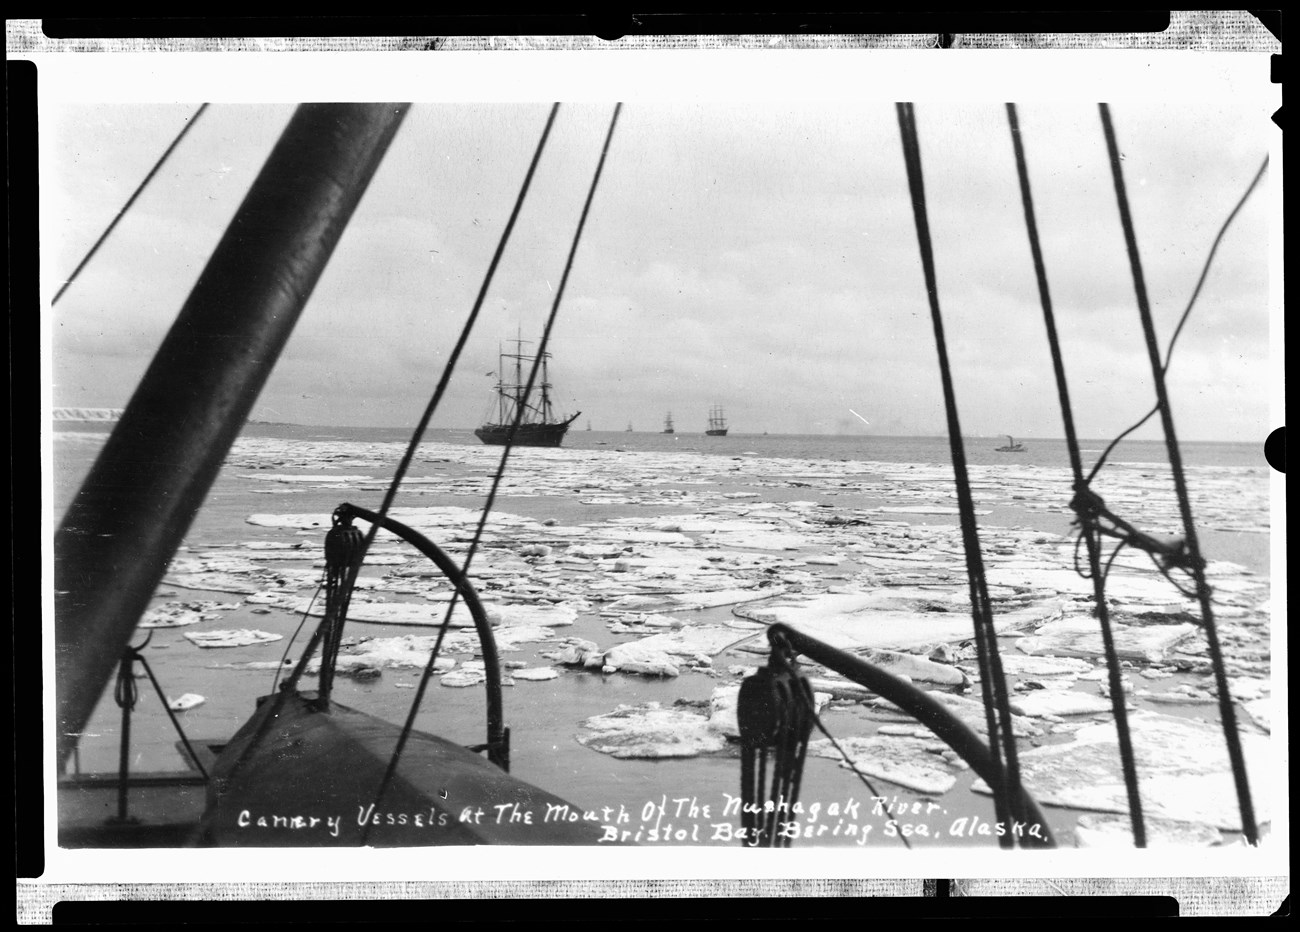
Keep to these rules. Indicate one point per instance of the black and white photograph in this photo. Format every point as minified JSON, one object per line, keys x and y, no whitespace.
{"x":611,"y":455}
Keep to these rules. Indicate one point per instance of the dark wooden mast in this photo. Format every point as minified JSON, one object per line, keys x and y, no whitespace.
{"x":154,"y":472}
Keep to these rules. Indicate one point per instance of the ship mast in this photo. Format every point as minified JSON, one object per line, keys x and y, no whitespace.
{"x":512,"y":400}
{"x":546,"y":385}
{"x":519,"y":376}
{"x":119,"y":534}
{"x":501,"y":384}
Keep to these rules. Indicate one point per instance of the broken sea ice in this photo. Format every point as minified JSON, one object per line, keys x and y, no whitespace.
{"x":244,"y":637}
{"x":650,"y":731}
{"x":898,"y":759}
{"x":1182,"y":768}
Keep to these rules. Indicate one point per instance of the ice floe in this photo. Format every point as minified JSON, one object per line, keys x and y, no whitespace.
{"x":182,"y":614}
{"x":1182,"y":766}
{"x":902,"y":760}
{"x":1047,"y":702}
{"x":409,"y":651}
{"x":244,"y":637}
{"x":693,"y":601}
{"x":550,"y":616}
{"x":861,"y":620}
{"x":1081,"y":637}
{"x":650,"y":731}
{"x":421,"y":614}
{"x":535,"y":674}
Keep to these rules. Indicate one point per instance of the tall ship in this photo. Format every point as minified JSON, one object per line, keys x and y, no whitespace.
{"x":539,"y":427}
{"x":717,"y":423}
{"x":668,"y":424}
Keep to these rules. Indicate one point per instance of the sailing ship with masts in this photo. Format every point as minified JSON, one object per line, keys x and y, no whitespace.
{"x":668,"y":424}
{"x":717,"y":423}
{"x":538,"y":426}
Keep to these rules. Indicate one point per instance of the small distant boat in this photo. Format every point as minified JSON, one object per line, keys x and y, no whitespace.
{"x":717,"y":423}
{"x":629,"y":427}
{"x":538,"y":427}
{"x":668,"y":424}
{"x":589,"y":425}
{"x":1011,"y":447}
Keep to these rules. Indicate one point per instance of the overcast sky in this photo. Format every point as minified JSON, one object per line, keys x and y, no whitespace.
{"x":761,"y":257}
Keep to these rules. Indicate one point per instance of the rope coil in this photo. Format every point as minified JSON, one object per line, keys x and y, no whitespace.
{"x":774,"y":712}
{"x":125,"y":692}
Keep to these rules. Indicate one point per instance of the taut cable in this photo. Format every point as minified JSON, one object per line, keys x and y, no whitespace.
{"x":408,"y":727}
{"x":992,"y":680}
{"x":189,"y":124}
{"x":1196,"y":567}
{"x":1127,"y":761}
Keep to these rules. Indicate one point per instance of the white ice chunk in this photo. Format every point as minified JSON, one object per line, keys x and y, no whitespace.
{"x":234,"y":638}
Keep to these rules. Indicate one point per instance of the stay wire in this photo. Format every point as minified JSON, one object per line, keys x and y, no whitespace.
{"x":281,"y":697}
{"x":992,"y":678}
{"x":1227,"y":713}
{"x":911,"y":152}
{"x":408,"y":727}
{"x":126,"y":694}
{"x":849,"y":760}
{"x":284,"y":657}
{"x":127,"y":206}
{"x":171,"y":714}
{"x":1169,"y":351}
{"x":1087,"y":532}
{"x":418,"y":434}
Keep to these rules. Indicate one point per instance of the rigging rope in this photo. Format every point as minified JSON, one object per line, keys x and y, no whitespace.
{"x":126,"y":694}
{"x":170,"y":713}
{"x":1088,"y":530}
{"x":1169,"y":351}
{"x":306,"y":613}
{"x":1196,"y":565}
{"x":127,"y":206}
{"x":441,"y":388}
{"x":349,"y":580}
{"x":992,"y":681}
{"x":408,"y":727}
{"x":853,"y":766}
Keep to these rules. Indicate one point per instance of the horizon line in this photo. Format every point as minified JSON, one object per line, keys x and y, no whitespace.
{"x":732,"y":434}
